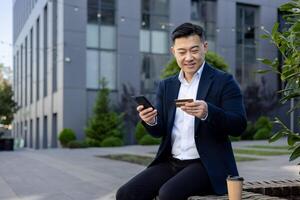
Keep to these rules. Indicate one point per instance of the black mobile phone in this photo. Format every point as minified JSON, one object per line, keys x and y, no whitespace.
{"x":142,"y":100}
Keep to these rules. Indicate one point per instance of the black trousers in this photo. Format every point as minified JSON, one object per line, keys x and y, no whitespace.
{"x":170,"y":180}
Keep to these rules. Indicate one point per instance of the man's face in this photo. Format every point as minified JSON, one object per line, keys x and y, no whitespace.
{"x":189,"y":53}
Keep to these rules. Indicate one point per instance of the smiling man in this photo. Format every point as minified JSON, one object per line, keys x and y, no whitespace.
{"x":195,"y":156}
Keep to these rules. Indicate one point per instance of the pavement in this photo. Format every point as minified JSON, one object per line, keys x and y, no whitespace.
{"x":77,"y":174}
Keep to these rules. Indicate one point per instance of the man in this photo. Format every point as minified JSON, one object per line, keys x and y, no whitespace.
{"x":195,"y":156}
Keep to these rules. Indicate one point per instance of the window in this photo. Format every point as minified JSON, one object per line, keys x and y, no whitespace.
{"x":101,"y":43}
{"x":45,"y":51}
{"x":25,"y":74}
{"x":153,"y":42}
{"x":54,"y":131}
{"x":92,"y":58}
{"x":37,"y":133}
{"x":30,"y":134}
{"x":203,"y":13}
{"x":246,"y":21}
{"x":45,"y":132}
{"x":31,"y":65}
{"x":21,"y":74}
{"x":37,"y":50}
{"x":54,"y":44}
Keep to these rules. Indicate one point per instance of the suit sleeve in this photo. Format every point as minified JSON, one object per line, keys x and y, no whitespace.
{"x":158,"y":129}
{"x":230,"y":117}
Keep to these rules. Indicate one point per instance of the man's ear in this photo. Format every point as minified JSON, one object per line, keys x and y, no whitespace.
{"x":205,"y":46}
{"x":172,"y":50}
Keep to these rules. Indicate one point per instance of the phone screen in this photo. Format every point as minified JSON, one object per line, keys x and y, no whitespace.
{"x":142,"y":100}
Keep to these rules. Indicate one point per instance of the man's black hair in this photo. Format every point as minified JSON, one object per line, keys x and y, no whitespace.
{"x":188,"y":29}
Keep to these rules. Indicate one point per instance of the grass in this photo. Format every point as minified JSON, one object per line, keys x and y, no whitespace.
{"x":136,"y":159}
{"x":244,"y":159}
{"x":146,"y":160}
{"x":260,"y":152}
{"x":268,"y":147}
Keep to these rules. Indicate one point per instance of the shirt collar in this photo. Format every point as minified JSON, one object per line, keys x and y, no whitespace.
{"x":196,"y":75}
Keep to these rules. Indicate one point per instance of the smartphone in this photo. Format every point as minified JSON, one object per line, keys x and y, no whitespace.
{"x":182,"y":102}
{"x":142,"y":100}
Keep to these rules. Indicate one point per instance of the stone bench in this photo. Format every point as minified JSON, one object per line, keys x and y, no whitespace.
{"x":245,"y":195}
{"x":264,"y":190}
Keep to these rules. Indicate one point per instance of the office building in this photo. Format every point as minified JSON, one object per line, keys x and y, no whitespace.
{"x":62,"y":48}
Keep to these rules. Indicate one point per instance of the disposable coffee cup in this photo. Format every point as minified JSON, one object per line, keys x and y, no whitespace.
{"x":235,"y":187}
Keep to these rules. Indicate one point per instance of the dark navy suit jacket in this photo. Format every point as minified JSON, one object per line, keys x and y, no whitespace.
{"x":226,"y":116}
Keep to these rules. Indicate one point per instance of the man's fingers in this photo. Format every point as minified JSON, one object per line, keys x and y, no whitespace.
{"x":149,"y":114}
{"x":140,"y":108}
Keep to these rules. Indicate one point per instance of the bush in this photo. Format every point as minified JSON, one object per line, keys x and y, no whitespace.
{"x":149,"y":140}
{"x":92,"y":142}
{"x":212,"y":58}
{"x":262,"y":134}
{"x":112,"y":141}
{"x":143,"y":137}
{"x":232,"y":138}
{"x":66,"y":135}
{"x":77,"y":144}
{"x":249,"y":132}
{"x":263,"y":122}
{"x":104,"y":123}
{"x":140,"y":131}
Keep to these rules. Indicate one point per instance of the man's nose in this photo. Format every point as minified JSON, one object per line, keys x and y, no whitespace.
{"x":189,"y":56}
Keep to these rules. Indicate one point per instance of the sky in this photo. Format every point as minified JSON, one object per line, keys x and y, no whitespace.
{"x":6,"y":32}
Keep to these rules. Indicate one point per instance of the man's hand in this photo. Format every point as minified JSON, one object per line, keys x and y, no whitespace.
{"x":197,"y":108}
{"x":147,"y":115}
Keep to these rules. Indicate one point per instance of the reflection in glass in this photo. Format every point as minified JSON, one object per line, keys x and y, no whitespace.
{"x":108,"y":37}
{"x":92,"y":63}
{"x":245,"y":48}
{"x":108,"y":68}
{"x":144,"y":40}
{"x":92,"y":35}
{"x":158,"y":42}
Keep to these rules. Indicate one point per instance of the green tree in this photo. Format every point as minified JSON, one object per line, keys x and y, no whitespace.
{"x":288,"y":43}
{"x":7,"y":105}
{"x":104,"y":123}
{"x":212,"y":58}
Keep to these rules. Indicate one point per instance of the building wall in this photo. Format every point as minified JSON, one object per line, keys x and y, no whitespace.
{"x":68,"y":103}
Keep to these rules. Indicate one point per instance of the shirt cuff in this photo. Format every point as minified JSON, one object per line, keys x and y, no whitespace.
{"x":205,"y":117}
{"x":152,"y":124}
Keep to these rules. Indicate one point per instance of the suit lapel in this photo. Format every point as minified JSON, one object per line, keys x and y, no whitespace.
{"x":172,"y":94}
{"x":204,"y":84}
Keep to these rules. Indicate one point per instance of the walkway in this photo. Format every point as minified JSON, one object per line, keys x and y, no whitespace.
{"x":63,"y":174}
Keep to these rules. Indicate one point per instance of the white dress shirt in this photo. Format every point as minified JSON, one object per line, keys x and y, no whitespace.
{"x":183,"y":142}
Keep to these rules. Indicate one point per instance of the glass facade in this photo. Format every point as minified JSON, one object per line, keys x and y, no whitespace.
{"x":154,"y":45}
{"x":203,"y":13}
{"x":246,"y":34}
{"x":101,"y":43}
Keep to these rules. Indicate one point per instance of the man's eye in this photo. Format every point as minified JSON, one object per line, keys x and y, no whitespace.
{"x":195,"y":51}
{"x":181,"y":53}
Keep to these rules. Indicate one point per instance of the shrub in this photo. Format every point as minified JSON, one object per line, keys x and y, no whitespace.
{"x":140,"y":131}
{"x":286,"y":39}
{"x":262,"y":134}
{"x":104,"y":123}
{"x":66,"y":135}
{"x":232,"y":138}
{"x":77,"y":144}
{"x":212,"y":58}
{"x":263,"y":122}
{"x":112,"y":141}
{"x":249,"y":132}
{"x":92,"y":142}
{"x":149,"y":140}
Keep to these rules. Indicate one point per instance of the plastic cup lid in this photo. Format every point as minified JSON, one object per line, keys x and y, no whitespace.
{"x":235,"y":178}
